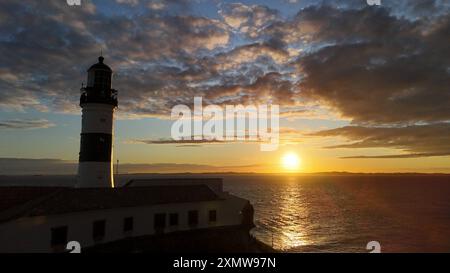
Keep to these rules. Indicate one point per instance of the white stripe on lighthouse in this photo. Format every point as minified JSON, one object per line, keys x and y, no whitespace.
{"x":97,"y":118}
{"x":95,"y":175}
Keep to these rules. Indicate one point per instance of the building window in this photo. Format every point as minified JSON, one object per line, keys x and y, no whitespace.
{"x":128,"y":224}
{"x":193,"y":218}
{"x":59,"y":236}
{"x":173,"y":219}
{"x":159,"y":222}
{"x":98,"y":230}
{"x":212,"y":216}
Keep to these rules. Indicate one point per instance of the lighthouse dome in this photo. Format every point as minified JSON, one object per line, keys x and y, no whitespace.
{"x":100,"y":65}
{"x":99,"y":75}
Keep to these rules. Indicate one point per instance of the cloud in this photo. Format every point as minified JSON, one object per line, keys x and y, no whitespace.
{"x":20,"y":124}
{"x":156,"y":5}
{"x":378,"y":69}
{"x":49,"y":47}
{"x":249,"y":53}
{"x":187,"y":143}
{"x":381,"y":68}
{"x":414,"y":141}
{"x":347,"y":56}
{"x":171,"y":141}
{"x":396,"y":156}
{"x":248,"y":19}
{"x":287,"y":136}
{"x":269,"y":88}
{"x":128,"y":2}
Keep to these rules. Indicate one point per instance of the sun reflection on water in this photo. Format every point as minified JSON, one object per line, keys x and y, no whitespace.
{"x":293,"y":214}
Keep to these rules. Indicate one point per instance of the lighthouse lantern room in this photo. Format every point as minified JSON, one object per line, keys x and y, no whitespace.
{"x":98,"y":102}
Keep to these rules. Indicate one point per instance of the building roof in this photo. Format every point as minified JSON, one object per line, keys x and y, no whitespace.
{"x":11,"y":197}
{"x":18,"y":202}
{"x":215,"y":184}
{"x":171,"y":181}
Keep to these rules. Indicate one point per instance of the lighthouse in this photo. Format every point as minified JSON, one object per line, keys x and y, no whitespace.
{"x":98,"y":102}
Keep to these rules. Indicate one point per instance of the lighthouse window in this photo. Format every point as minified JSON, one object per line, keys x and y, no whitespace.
{"x":102,"y":79}
{"x":91,"y":77}
{"x":98,"y":230}
{"x":59,"y":236}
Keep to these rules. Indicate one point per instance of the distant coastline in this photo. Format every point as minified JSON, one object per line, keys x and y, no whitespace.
{"x":260,"y":173}
{"x":23,"y":166}
{"x":69,"y":180}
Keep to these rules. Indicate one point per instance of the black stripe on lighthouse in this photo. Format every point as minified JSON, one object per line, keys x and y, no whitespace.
{"x":96,"y":147}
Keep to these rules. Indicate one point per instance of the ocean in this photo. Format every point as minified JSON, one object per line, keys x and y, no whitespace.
{"x":331,"y":213}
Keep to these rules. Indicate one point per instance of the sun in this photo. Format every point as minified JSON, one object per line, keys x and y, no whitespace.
{"x":291,"y":162}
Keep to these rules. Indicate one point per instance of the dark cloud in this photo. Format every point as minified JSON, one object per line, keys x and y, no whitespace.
{"x":161,"y":59}
{"x":187,"y":143}
{"x":46,"y":51}
{"x":380,"y":67}
{"x":287,"y":136}
{"x":25,"y":124}
{"x":179,"y":142}
{"x":387,"y":73}
{"x":248,"y":19}
{"x":396,"y":156}
{"x":414,"y":141}
{"x":271,"y":87}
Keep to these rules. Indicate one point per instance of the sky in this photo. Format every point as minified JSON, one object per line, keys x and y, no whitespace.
{"x":361,"y":88}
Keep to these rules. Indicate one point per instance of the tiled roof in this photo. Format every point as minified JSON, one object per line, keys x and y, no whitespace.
{"x":51,"y":201}
{"x":215,"y":184}
{"x":172,"y":181}
{"x":11,"y":197}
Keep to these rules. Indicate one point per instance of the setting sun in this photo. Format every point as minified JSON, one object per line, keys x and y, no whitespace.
{"x":291,"y":162}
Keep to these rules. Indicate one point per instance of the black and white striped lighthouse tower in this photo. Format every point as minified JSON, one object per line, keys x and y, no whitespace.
{"x":98,"y":102}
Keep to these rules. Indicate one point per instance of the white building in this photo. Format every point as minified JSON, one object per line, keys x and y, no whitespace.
{"x":46,"y":219}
